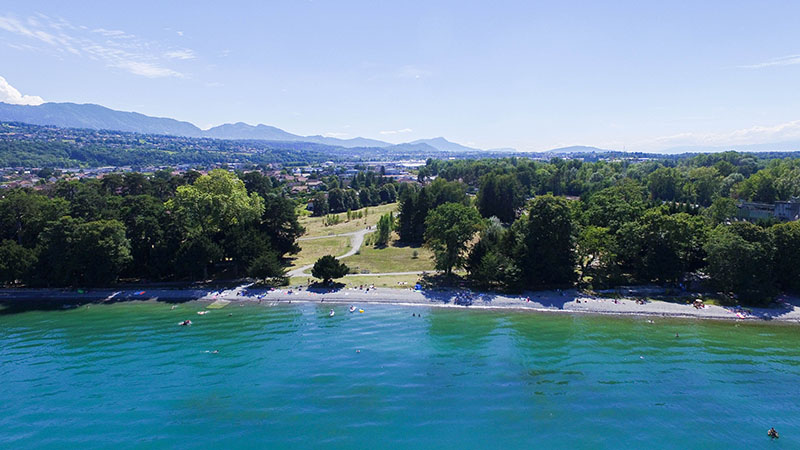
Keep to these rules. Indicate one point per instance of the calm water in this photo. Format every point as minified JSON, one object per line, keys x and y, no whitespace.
{"x":126,"y":375}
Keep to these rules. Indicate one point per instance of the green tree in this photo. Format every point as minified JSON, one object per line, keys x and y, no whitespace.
{"x":786,"y":240}
{"x":384,"y":230}
{"x":721,"y":209}
{"x":665,"y":183}
{"x":548,"y":257}
{"x":500,"y":196}
{"x":100,"y":251}
{"x":448,"y":229}
{"x":740,"y":261}
{"x":614,"y":206}
{"x":489,"y":263}
{"x":213,"y":203}
{"x":595,"y":251}
{"x":328,"y":268}
{"x":267,"y":267}
{"x":661,"y":246}
{"x":16,"y":262}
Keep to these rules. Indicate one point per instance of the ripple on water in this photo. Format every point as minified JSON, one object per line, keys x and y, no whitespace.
{"x":289,"y":376}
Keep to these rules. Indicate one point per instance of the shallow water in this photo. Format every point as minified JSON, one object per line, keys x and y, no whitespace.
{"x":125,"y":375}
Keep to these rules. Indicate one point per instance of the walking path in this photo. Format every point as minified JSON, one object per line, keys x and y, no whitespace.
{"x":356,"y":240}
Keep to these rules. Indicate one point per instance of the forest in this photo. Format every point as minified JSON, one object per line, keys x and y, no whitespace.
{"x":502,"y":224}
{"x":534,"y":225}
{"x":147,"y":227}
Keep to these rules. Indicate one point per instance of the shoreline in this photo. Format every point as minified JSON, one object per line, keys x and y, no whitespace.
{"x":565,"y":302}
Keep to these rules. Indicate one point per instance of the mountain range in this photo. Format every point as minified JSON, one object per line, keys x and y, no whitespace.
{"x":96,"y":117}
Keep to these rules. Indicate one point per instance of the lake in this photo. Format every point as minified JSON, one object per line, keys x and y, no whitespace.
{"x":126,"y":375}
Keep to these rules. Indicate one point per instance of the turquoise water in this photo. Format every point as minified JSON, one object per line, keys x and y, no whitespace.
{"x":126,"y":375}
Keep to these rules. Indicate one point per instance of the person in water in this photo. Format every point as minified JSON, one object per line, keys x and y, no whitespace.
{"x":772,"y":433}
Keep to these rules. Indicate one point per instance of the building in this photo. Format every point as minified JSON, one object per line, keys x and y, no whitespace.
{"x":785,"y":210}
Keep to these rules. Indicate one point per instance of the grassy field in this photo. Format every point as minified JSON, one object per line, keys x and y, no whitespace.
{"x":390,"y":259}
{"x":314,"y":226}
{"x":313,"y":250}
{"x":388,"y":281}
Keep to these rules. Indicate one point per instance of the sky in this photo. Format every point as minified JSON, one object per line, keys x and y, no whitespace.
{"x":639,"y":75}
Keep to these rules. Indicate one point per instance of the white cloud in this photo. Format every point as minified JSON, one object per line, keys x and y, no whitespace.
{"x":404,"y":130}
{"x":9,"y":94}
{"x":114,"y":48}
{"x":180,"y":54}
{"x":757,"y":134}
{"x":336,"y":135}
{"x":789,"y":60}
{"x":413,"y":72}
{"x":146,"y":69}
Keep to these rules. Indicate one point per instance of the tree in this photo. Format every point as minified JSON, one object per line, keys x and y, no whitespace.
{"x":547,"y":256}
{"x":740,"y":260}
{"x":213,"y":203}
{"x":660,"y":246}
{"x":448,"y":229}
{"x":595,"y":252}
{"x":616,"y":205}
{"x":267,"y":267}
{"x":73,"y":252}
{"x":328,"y":267}
{"x":786,"y":240}
{"x":489,"y":262}
{"x":385,"y":227}
{"x":500,"y":196}
{"x":665,"y":183}
{"x":16,"y":262}
{"x":721,"y":209}
{"x":100,"y":251}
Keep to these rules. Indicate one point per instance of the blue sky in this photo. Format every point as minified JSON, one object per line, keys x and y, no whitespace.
{"x":637,"y":75}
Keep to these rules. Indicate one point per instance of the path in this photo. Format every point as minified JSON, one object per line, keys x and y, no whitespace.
{"x":356,"y":239}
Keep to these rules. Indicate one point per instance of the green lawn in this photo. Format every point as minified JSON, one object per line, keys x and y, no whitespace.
{"x":315,"y":227}
{"x":387,"y":281}
{"x":391,"y":258}
{"x":314,"y":249}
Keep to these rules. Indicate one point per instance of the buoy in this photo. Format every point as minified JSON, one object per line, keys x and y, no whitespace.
{"x":361,"y":310}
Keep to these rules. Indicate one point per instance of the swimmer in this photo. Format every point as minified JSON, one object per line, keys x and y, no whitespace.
{"x":772,"y":433}
{"x":331,"y":313}
{"x":352,"y":308}
{"x":185,"y":323}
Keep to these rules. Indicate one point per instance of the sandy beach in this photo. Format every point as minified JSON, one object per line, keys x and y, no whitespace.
{"x":567,"y":301}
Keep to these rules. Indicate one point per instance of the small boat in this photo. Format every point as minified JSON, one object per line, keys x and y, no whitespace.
{"x":332,"y":313}
{"x":352,"y":309}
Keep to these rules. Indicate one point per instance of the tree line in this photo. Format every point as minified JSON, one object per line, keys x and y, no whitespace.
{"x":157,"y":227}
{"x":618,"y":227}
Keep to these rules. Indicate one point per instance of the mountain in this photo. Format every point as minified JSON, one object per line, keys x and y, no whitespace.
{"x":96,"y":117}
{"x":442,"y":144}
{"x":72,"y":115}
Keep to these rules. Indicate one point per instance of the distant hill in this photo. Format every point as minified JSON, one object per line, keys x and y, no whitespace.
{"x":96,"y":117}
{"x":577,"y":149}
{"x":442,"y":144}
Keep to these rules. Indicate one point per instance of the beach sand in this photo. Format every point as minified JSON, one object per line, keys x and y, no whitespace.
{"x":567,"y":301}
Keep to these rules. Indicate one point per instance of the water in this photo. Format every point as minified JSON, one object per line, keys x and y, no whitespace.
{"x":126,"y":376}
